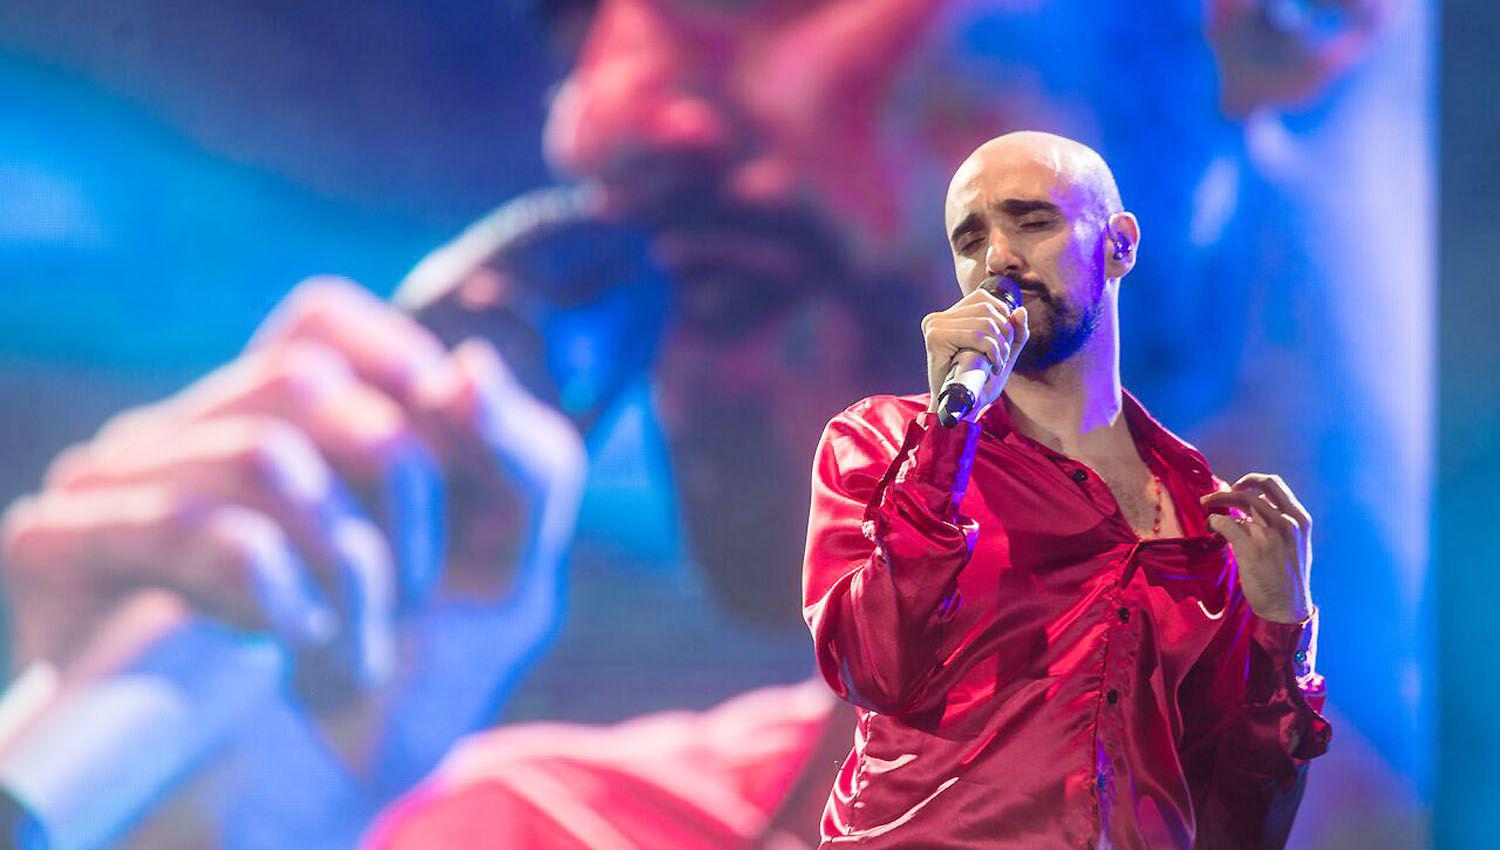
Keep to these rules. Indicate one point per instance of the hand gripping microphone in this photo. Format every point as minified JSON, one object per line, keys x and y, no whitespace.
{"x":972,"y":369}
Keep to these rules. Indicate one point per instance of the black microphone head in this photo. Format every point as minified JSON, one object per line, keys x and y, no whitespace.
{"x":1004,"y":288}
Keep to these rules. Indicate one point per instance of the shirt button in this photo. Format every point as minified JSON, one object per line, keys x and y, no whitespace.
{"x":1080,"y":476}
{"x":1103,"y":780}
{"x":1112,"y":697}
{"x":1124,"y":615}
{"x":1300,"y":656}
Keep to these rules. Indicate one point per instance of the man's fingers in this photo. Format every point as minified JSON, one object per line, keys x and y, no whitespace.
{"x":232,"y":561}
{"x":1020,"y":321}
{"x":268,"y":469}
{"x":370,"y":596}
{"x":958,"y":330}
{"x":992,"y":307}
{"x":367,"y":437}
{"x":1280,"y":495}
{"x":981,"y":334}
{"x":968,"y":322}
{"x":309,"y":384}
{"x":990,"y":349}
{"x":981,"y":296}
{"x":391,"y":352}
{"x":1253,"y":506}
{"x":1254,"y":486}
{"x":260,"y":462}
{"x":1230,"y":530}
{"x":1246,"y":503}
{"x":513,"y":431}
{"x":384,"y":346}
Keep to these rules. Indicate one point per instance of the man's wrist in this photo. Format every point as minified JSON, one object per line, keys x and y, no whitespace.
{"x":1297,"y":617}
{"x":1294,"y":613}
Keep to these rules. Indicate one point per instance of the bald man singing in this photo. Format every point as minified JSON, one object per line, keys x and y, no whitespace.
{"x":1060,"y":629}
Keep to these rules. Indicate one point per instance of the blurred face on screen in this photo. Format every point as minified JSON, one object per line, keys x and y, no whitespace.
{"x":768,"y":148}
{"x":758,"y":135}
{"x":780,"y":108}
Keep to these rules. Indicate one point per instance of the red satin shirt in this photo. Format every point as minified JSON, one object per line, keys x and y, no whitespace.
{"x":722,"y":779}
{"x":1029,"y":672}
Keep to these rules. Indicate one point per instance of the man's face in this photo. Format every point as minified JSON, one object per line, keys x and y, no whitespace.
{"x":753,"y":138}
{"x":1016,"y":210}
{"x":753,"y":134}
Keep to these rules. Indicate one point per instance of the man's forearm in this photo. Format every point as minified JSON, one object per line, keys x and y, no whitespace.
{"x":889,"y":554}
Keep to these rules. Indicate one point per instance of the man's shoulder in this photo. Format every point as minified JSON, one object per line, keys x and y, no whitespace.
{"x":873,"y":426}
{"x":891,"y":414}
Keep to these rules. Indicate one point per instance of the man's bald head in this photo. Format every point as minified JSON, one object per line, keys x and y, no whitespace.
{"x":1043,"y":211}
{"x":1078,"y":171}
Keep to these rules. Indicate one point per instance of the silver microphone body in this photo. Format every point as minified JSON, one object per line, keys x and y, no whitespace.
{"x":971,"y":369}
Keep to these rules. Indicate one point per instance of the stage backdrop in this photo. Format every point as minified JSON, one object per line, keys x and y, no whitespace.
{"x":170,"y":171}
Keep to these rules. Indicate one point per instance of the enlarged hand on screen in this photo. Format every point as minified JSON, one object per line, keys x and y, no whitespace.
{"x":301,"y":489}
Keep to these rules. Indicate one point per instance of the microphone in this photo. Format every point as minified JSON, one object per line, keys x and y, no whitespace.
{"x":971,"y":369}
{"x":82,"y":761}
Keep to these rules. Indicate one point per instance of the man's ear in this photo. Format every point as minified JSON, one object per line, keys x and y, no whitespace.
{"x":1122,"y":242}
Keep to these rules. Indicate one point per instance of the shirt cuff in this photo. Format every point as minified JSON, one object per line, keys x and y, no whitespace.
{"x":941,"y":457}
{"x":1293,"y":645}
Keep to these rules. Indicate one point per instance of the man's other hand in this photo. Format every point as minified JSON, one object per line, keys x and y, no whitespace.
{"x":312,"y":487}
{"x":1271,"y":535}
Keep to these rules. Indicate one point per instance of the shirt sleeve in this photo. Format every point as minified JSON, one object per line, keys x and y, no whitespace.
{"x":1251,"y":723}
{"x":885,"y":545}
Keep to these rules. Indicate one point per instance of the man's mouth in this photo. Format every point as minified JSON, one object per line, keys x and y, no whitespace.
{"x":685,"y":251}
{"x":737,"y":274}
{"x":1033,"y":292}
{"x":736,"y":265}
{"x":699,"y":226}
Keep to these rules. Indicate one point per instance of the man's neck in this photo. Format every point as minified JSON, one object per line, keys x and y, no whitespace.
{"x":1074,"y":407}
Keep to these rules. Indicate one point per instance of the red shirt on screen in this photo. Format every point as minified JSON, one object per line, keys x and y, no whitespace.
{"x":675,"y":780}
{"x":1029,"y":672}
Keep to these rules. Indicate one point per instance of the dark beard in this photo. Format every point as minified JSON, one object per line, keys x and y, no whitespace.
{"x":1071,"y":326}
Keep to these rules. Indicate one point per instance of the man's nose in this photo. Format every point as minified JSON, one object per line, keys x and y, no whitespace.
{"x":597,"y":126}
{"x":1001,"y":259}
{"x":638,"y":93}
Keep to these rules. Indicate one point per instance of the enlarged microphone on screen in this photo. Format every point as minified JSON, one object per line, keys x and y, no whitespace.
{"x":971,"y":369}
